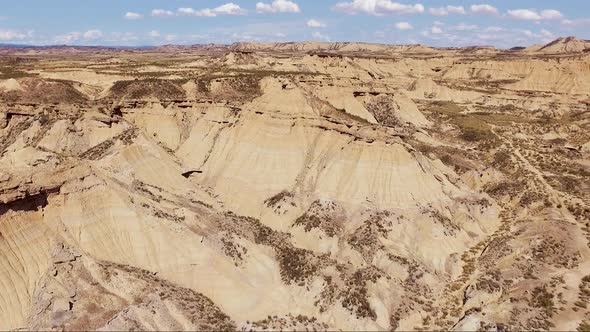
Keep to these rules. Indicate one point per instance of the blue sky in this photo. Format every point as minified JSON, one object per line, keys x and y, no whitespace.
{"x":156,"y":22}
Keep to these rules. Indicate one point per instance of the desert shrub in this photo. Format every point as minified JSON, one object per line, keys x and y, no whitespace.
{"x":584,"y":326}
{"x":272,"y":201}
{"x":542,"y":299}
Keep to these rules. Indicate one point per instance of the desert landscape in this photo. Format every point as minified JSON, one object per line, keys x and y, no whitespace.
{"x":295,"y":186}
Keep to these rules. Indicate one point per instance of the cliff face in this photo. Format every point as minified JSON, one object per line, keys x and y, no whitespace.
{"x":249,"y":190}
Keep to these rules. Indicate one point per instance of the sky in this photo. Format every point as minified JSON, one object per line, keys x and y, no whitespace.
{"x":501,"y":23}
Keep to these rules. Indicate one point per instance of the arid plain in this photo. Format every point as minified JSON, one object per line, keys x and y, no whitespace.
{"x":294,"y":186}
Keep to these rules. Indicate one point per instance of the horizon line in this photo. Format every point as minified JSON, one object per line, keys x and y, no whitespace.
{"x":16,"y":45}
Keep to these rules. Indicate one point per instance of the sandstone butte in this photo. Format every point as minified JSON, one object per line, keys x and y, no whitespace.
{"x":295,"y":186}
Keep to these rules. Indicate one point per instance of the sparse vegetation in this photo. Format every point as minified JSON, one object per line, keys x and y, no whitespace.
{"x":543,"y":299}
{"x":273,"y":201}
{"x":146,"y":88}
{"x":324,"y":217}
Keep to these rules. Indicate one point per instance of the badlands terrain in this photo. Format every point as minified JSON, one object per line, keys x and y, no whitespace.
{"x":295,"y":186}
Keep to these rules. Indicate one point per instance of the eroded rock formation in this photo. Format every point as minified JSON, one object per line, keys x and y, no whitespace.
{"x":295,"y":186}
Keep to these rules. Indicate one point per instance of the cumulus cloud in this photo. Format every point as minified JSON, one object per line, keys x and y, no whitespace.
{"x":162,"y":13}
{"x":319,"y":36}
{"x":133,"y":16}
{"x":543,"y":36}
{"x":436,"y":30}
{"x":13,"y":35}
{"x":578,"y":22}
{"x":464,"y":35}
{"x":75,"y":36}
{"x":524,"y":14}
{"x":444,"y":11}
{"x":154,"y":34}
{"x":551,"y":14}
{"x":315,"y":24}
{"x":378,"y":7}
{"x":484,"y":9}
{"x":92,"y":34}
{"x":547,"y":34}
{"x":226,"y":9}
{"x":192,"y":12}
{"x":245,"y":37}
{"x":494,"y":29}
{"x":403,"y":26}
{"x":229,"y":9}
{"x":278,"y":6}
{"x":529,"y":14}
{"x":68,"y":38}
{"x":465,"y":27}
{"x":121,"y":38}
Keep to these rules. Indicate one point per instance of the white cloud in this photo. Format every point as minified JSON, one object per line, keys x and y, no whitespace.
{"x":244,"y":37}
{"x":436,"y":30}
{"x":551,"y":14}
{"x":378,"y":7}
{"x":486,"y":37}
{"x":192,"y":12}
{"x":278,"y":6}
{"x":68,"y":38}
{"x":456,"y":9}
{"x":154,"y":34}
{"x":438,"y":11}
{"x":92,"y":34}
{"x":319,"y":36}
{"x":524,"y":14}
{"x":438,"y":23}
{"x":484,"y":9}
{"x":162,"y":13}
{"x":170,"y":38}
{"x":133,"y":16}
{"x":529,"y":14}
{"x":119,"y":38}
{"x":403,"y":26}
{"x":547,"y":34}
{"x":313,"y":23}
{"x":567,"y":22}
{"x":264,"y":36}
{"x":444,"y":11}
{"x":74,"y":36}
{"x":544,"y":35}
{"x":577,"y":22}
{"x":494,"y":29}
{"x":13,"y":35}
{"x":465,"y":27}
{"x":227,"y":9}
{"x":464,"y":35}
{"x":511,"y":37}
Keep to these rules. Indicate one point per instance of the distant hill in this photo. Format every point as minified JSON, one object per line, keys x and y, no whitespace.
{"x":14,"y":45}
{"x":561,"y":45}
{"x":343,"y":47}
